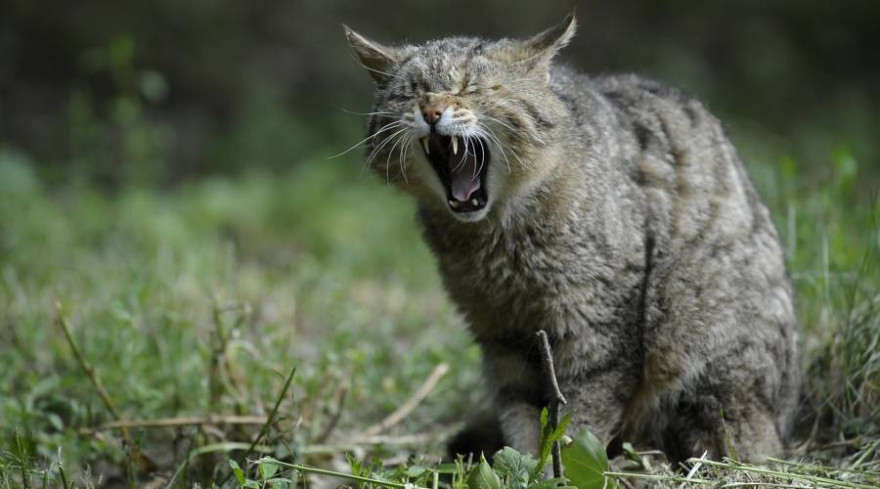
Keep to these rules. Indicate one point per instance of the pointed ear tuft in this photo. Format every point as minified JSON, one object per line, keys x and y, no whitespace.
{"x":548,"y":43}
{"x":377,"y":59}
{"x":534,"y":54}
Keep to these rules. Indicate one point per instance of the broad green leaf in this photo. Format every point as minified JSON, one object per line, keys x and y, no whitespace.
{"x":483,"y":477}
{"x":279,"y":483}
{"x":267,"y":469}
{"x":516,"y":468}
{"x":585,"y":461}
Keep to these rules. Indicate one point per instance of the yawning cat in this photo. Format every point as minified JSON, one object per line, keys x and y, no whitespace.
{"x":613,"y":213}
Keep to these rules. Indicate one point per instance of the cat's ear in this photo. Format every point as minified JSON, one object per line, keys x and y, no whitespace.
{"x":376,"y":58}
{"x":536,"y":52}
{"x":549,"y":42}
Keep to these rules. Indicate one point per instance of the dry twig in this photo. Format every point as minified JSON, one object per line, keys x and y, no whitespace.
{"x":87,"y":367}
{"x":92,"y":373}
{"x":403,"y":411}
{"x":555,"y":398}
{"x":173,"y":422}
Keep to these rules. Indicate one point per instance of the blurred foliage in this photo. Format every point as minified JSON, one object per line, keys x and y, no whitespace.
{"x":154,"y":92}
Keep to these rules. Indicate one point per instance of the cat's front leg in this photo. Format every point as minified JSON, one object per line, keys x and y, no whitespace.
{"x":597,"y":402}
{"x":515,"y":379}
{"x":521,"y":426}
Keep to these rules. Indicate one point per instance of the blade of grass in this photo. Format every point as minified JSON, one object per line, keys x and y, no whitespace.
{"x":269,"y":420}
{"x":342,"y":475}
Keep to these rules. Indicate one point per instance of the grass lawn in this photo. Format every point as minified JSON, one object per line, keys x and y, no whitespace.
{"x":198,"y":301}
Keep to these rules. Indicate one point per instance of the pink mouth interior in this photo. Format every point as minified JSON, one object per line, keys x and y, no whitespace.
{"x":465,"y":179}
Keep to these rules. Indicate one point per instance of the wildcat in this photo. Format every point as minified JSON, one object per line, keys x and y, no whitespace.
{"x":613,"y":213}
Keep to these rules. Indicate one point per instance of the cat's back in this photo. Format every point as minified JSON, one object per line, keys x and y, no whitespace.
{"x":674,"y":154}
{"x":644,"y":116}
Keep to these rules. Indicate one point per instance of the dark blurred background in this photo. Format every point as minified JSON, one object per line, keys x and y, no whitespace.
{"x":155,"y":92}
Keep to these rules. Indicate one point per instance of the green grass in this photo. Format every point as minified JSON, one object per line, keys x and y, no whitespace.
{"x":315,"y":269}
{"x":201,"y":299}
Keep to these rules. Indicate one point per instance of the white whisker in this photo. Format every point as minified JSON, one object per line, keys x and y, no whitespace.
{"x":343,"y":109}
{"x":388,"y":159}
{"x":461,"y":161}
{"x":498,"y":142}
{"x":378,"y":148}
{"x":491,"y":137}
{"x":390,"y":125}
{"x":466,"y":144}
{"x":403,"y":150}
{"x":506,"y":125}
{"x":482,"y":154}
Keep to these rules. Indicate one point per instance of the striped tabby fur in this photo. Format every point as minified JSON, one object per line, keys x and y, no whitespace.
{"x":619,"y":218}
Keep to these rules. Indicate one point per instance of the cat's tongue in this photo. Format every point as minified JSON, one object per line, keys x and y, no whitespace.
{"x":465,"y":179}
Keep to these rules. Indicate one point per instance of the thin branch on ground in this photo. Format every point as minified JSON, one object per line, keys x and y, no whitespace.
{"x":555,"y":398}
{"x":342,"y":475}
{"x":176,"y":421}
{"x":134,"y":456}
{"x":88,"y":368}
{"x":418,"y":439}
{"x":755,"y":484}
{"x":403,"y":411}
{"x":236,"y":446}
{"x":271,"y":419}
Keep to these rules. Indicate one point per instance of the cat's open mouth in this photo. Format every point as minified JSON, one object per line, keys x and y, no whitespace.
{"x":461,"y":164}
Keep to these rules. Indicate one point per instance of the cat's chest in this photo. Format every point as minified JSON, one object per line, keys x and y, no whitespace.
{"x":522,"y":279}
{"x":500,"y":267}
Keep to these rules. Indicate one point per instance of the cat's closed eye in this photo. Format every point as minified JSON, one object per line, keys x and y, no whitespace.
{"x":476,"y":87}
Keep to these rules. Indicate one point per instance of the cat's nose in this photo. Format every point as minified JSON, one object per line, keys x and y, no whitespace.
{"x":432,"y":113}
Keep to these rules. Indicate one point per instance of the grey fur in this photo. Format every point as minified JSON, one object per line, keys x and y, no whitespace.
{"x":621,"y":221}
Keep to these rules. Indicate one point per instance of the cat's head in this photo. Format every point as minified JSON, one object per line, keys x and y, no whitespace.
{"x":464,"y":123}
